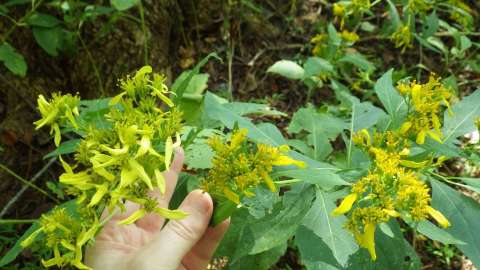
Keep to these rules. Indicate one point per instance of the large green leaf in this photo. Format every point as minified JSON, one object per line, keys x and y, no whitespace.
{"x":463,"y":214}
{"x":315,"y":66}
{"x":43,"y":20}
{"x":266,"y":133}
{"x":244,"y":108}
{"x":392,"y":101}
{"x":288,"y":69}
{"x":13,"y":60}
{"x":315,"y":254}
{"x":437,"y":234}
{"x":50,"y":39}
{"x":330,"y":229}
{"x":248,"y":235}
{"x":322,"y":127}
{"x":463,"y":119}
{"x":357,"y":60}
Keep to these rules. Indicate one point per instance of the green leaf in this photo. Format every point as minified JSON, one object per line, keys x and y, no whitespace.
{"x":67,"y":147}
{"x":437,"y":234}
{"x":430,"y":26}
{"x":260,"y":261}
{"x":199,"y":156}
{"x":325,"y":177}
{"x":365,"y":115}
{"x":50,"y":39}
{"x":322,"y":127}
{"x":358,"y":60}
{"x":463,"y":119}
{"x":43,"y":20}
{"x":288,"y":69}
{"x":315,"y":254}
{"x":392,"y":101}
{"x":330,"y":229}
{"x":267,"y":134}
{"x":183,"y":82}
{"x":315,"y":66}
{"x":13,"y":60}
{"x":462,"y":212}
{"x":248,"y":235}
{"x":122,"y":5}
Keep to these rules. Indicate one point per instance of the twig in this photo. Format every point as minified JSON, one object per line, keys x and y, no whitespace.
{"x":93,"y":63}
{"x":27,"y":185}
{"x":144,"y":30}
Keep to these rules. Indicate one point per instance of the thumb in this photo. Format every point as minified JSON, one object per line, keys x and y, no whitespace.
{"x":177,"y":238}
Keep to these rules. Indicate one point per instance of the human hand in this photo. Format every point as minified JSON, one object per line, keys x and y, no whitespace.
{"x":182,"y":244}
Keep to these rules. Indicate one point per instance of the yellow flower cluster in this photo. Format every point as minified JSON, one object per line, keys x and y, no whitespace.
{"x":343,"y":9}
{"x":419,"y":6}
{"x":392,"y":188}
{"x":58,"y":111}
{"x":237,"y":169}
{"x":425,"y":102}
{"x":65,"y":236}
{"x":349,"y":36}
{"x":402,"y":37}
{"x":458,"y":16}
{"x":114,"y":164}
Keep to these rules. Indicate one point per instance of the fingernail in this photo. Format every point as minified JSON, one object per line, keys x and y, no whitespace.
{"x":203,"y":203}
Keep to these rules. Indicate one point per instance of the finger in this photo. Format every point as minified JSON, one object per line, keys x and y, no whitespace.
{"x":202,"y":252}
{"x":179,"y":236}
{"x":154,"y":222}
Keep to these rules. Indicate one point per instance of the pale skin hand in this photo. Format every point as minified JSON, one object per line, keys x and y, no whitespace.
{"x":146,"y":245}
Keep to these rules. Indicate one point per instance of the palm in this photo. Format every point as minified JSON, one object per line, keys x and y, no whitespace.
{"x":145,"y":245}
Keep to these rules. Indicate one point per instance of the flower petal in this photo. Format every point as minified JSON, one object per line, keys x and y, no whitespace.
{"x":170,"y":214}
{"x":345,"y":205}
{"x":438,"y":216}
{"x":133,"y":217}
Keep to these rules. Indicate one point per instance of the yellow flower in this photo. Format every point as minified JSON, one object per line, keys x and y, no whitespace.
{"x":338,"y":9}
{"x":349,"y":36}
{"x":402,"y":37}
{"x":368,"y":240}
{"x":346,"y":204}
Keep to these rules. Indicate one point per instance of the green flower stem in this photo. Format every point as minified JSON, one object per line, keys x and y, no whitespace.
{"x":287,"y":182}
{"x":144,"y":30}
{"x":28,"y":183}
{"x":16,"y":221}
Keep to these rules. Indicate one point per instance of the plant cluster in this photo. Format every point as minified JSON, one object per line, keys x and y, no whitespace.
{"x":123,"y":161}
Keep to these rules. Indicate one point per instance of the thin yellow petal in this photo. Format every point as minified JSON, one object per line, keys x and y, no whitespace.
{"x":170,"y":214}
{"x":232,"y":196}
{"x":345,"y":205}
{"x":438,"y":216}
{"x":101,"y":191}
{"x":140,"y":171}
{"x":413,"y":164}
{"x":58,"y":135}
{"x":127,"y":177}
{"x":405,"y":127}
{"x":168,"y":152}
{"x":434,"y":136}
{"x":65,"y":165}
{"x":160,"y":181}
{"x":421,"y":137}
{"x":369,"y":240}
{"x":133,"y":217}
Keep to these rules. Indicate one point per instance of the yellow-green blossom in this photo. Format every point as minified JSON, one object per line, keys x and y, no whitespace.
{"x":237,"y":170}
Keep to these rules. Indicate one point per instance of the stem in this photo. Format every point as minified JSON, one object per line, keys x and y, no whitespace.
{"x":349,"y":150}
{"x":93,"y":63}
{"x":16,"y":221}
{"x":287,"y":182}
{"x":19,"y":22}
{"x":27,"y":184}
{"x":144,"y":30}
